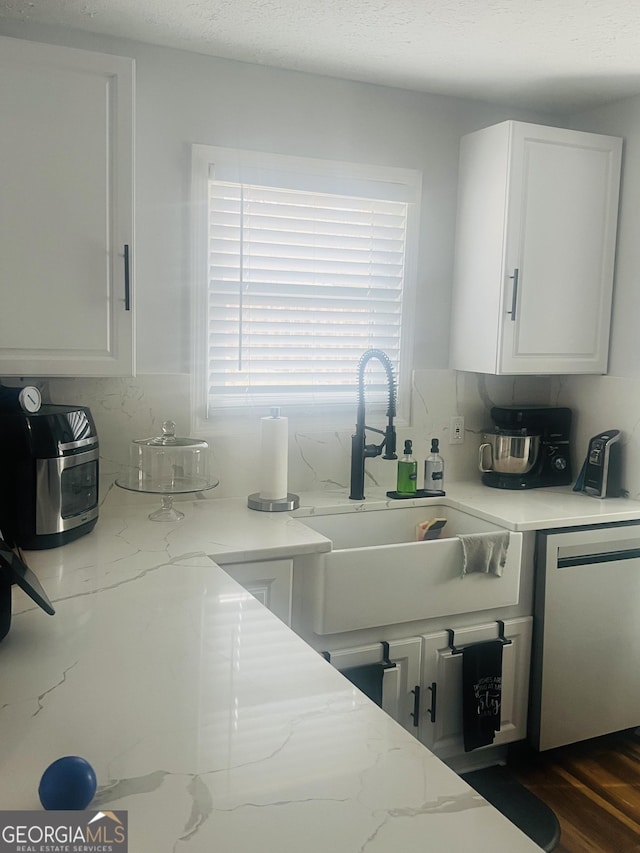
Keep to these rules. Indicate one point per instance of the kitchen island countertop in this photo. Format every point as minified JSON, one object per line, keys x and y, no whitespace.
{"x":205,"y":717}
{"x":212,"y":724}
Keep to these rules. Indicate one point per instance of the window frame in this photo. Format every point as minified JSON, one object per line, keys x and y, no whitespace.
{"x":243,"y":165}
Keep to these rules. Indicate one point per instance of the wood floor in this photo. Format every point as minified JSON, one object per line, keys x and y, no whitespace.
{"x":594,"y":789}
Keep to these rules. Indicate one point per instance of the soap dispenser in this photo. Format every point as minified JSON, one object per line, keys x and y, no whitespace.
{"x":407,"y":471}
{"x":434,"y":469}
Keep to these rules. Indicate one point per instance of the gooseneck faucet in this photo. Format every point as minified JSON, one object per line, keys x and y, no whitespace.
{"x":359,"y":449}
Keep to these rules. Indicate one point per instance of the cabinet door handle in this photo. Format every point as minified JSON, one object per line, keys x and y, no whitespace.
{"x":514,"y":293}
{"x":415,"y":714}
{"x":433,"y":687}
{"x":127,"y":283}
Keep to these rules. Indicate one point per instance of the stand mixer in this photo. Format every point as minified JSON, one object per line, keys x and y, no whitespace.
{"x":527,"y":448}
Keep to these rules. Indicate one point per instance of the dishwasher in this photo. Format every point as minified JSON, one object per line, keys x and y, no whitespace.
{"x":585,"y":676}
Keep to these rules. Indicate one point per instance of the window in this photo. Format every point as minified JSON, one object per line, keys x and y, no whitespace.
{"x":303,"y":266}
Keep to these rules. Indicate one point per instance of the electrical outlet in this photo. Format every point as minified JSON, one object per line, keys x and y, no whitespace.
{"x":456,"y":430}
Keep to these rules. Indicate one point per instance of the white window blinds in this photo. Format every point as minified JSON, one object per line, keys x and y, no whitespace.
{"x":301,"y":279}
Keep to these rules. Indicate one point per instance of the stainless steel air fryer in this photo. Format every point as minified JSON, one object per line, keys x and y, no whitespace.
{"x":49,"y":493}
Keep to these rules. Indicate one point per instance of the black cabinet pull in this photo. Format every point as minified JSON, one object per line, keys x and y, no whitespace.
{"x":415,"y":714}
{"x":433,"y":687}
{"x":127,"y":283}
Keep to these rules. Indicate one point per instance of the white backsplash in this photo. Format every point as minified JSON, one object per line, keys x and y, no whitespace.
{"x":319,"y":455}
{"x":600,"y":403}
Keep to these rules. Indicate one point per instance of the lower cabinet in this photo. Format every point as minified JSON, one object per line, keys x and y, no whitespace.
{"x":421,"y":685}
{"x":416,"y":679}
{"x":441,"y":725}
{"x":400,"y":675}
{"x":270,"y":581}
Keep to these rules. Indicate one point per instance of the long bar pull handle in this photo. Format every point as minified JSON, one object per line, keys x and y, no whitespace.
{"x":415,"y":714}
{"x":127,"y":282}
{"x":514,"y":293}
{"x":433,"y":687}
{"x":594,"y":559}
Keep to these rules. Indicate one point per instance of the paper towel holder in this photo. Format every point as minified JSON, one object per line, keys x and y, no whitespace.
{"x":291,"y":501}
{"x":267,"y":504}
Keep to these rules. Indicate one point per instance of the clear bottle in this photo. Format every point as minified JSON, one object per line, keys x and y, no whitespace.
{"x":407,"y":471}
{"x":434,"y":469}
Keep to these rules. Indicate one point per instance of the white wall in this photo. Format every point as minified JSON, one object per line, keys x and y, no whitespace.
{"x":622,"y":118}
{"x":613,"y":401}
{"x":184,"y":98}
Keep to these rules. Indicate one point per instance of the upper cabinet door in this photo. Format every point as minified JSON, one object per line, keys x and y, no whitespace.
{"x":535,"y":250}
{"x":66,"y":212}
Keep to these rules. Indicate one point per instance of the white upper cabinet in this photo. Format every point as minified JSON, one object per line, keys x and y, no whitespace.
{"x":66,"y":211}
{"x":535,"y":246}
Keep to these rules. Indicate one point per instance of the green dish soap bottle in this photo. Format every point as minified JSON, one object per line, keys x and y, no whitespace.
{"x":407,"y":471}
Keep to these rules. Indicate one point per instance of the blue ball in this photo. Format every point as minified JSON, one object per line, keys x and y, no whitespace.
{"x":67,"y":784}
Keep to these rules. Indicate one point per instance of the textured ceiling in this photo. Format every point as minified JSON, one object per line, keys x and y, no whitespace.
{"x":549,"y":54}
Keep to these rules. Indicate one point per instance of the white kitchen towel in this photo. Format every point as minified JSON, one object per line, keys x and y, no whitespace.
{"x":484,"y":552}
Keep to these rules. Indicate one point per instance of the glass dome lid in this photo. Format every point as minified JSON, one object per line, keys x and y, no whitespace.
{"x":170,"y":439}
{"x":168,"y":465}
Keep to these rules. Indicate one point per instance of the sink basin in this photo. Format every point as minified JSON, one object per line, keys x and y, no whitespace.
{"x":390,"y":526}
{"x":378,"y":574}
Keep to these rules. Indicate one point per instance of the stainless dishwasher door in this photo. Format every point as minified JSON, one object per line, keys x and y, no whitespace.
{"x":586,"y":644}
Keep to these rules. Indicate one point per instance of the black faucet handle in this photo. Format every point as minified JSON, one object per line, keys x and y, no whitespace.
{"x":390,"y":443}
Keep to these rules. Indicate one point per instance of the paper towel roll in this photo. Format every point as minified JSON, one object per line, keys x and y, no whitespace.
{"x":274,"y":452}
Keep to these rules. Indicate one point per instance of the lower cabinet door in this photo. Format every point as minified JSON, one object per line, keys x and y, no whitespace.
{"x":269,"y":581}
{"x":400,"y":681}
{"x":441,"y":723}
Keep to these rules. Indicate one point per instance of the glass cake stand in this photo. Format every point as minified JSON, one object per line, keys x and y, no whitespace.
{"x":168,"y":465}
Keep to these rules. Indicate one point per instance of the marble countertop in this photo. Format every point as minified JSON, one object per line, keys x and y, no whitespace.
{"x":214,"y":725}
{"x":532,"y":509}
{"x":229,"y":532}
{"x":205,"y":717}
{"x":540,"y":509}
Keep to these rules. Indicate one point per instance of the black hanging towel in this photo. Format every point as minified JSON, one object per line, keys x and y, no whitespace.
{"x":368,"y":679}
{"x":481,"y":692}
